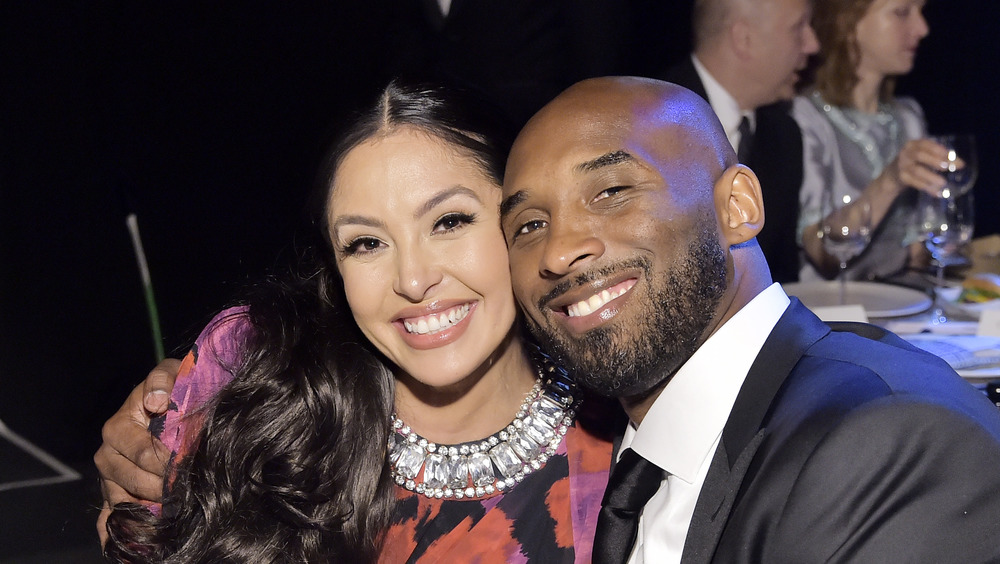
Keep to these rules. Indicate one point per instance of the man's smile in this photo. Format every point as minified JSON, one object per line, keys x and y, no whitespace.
{"x":600,"y":299}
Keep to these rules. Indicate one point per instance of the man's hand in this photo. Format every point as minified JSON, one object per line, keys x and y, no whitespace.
{"x":130,"y":461}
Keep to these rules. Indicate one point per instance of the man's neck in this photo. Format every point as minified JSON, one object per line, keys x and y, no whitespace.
{"x":750,"y":276}
{"x":728,"y":74}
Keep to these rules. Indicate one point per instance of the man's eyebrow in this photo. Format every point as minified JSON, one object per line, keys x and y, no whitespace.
{"x":607,"y":159}
{"x":511,"y":202}
{"x":441,"y":196}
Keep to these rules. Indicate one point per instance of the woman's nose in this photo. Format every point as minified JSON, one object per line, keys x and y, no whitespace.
{"x":416,"y":275}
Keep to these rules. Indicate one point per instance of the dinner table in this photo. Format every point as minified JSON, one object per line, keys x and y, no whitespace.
{"x":927,"y":314}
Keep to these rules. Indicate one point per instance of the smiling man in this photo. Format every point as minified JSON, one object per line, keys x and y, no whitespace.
{"x":759,"y":433}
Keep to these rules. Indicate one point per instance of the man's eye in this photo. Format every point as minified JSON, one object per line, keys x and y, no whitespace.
{"x":609,"y":192}
{"x":530,"y":226}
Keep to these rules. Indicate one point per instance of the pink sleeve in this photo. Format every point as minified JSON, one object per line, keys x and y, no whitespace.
{"x":206,"y":369}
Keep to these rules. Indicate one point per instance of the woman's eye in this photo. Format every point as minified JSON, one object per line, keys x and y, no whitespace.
{"x":453,"y":221}
{"x":362,"y":246}
{"x":609,"y":192}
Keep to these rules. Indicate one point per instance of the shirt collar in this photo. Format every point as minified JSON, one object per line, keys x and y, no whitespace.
{"x":725,"y":106}
{"x":688,"y":417}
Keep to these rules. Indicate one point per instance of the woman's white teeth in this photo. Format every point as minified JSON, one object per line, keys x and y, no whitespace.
{"x":436,"y":322}
{"x":594,"y":303}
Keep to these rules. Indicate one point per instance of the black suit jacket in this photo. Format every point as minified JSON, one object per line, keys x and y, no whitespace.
{"x":776,"y":158}
{"x":847,"y":444}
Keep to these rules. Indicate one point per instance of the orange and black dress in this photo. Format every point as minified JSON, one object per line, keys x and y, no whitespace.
{"x":548,"y":516}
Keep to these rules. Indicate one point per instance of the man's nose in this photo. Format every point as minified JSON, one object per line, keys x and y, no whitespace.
{"x":810,"y":43}
{"x":569,"y":248}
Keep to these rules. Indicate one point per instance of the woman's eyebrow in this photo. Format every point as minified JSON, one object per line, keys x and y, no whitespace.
{"x":441,"y":196}
{"x":356,"y":220}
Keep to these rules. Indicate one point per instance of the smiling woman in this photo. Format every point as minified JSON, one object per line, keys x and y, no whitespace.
{"x":470,"y":447}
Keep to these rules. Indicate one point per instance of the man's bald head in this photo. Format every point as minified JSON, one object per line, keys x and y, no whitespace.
{"x":625,"y":215}
{"x":663,"y":117}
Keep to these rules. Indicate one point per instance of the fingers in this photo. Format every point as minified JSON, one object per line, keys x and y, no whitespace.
{"x":102,"y":523}
{"x":131,"y":457}
{"x":920,"y":163}
{"x":158,"y":385}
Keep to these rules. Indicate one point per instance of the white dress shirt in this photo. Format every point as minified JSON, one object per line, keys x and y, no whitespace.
{"x":725,"y":106}
{"x":683,"y":427}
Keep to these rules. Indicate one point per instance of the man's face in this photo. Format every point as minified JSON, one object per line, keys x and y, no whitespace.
{"x":781,"y":40}
{"x":614,"y":246}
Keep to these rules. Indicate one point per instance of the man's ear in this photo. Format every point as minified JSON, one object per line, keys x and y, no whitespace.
{"x":740,"y":37}
{"x":739,"y":204}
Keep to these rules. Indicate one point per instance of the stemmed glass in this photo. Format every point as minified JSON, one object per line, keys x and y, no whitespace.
{"x":946,"y":225}
{"x":962,"y":167}
{"x":846,"y":231}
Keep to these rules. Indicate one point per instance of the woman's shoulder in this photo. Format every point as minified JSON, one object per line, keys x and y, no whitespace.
{"x":908,"y":104}
{"x":808,"y":114}
{"x":210,"y":363}
{"x":207,"y":368}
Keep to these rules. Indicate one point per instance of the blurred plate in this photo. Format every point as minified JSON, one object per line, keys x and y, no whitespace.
{"x":879,"y":300}
{"x":949,"y":295}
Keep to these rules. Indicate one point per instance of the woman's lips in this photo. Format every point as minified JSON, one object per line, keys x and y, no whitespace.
{"x":437,"y":329}
{"x":432,"y":323}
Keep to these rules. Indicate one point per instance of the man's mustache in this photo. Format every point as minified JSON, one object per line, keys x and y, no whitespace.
{"x":583,"y":278}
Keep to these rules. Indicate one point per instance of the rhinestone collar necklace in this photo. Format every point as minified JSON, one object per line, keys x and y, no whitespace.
{"x":478,"y":469}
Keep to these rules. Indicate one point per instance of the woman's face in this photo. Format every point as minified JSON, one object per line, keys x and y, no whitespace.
{"x":415,"y":224}
{"x":888,"y":35}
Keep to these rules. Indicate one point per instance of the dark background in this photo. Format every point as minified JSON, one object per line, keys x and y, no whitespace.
{"x":211,"y":120}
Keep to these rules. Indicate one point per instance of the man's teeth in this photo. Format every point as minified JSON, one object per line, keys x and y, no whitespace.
{"x":594,"y":303}
{"x":436,"y":322}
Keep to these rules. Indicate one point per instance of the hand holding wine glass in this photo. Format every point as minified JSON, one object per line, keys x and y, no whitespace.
{"x":961,"y":167}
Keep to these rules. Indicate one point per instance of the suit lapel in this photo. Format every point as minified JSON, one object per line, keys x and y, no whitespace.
{"x":745,"y":430}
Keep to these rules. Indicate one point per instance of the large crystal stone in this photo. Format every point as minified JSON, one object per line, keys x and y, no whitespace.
{"x":539,"y":431}
{"x":505,"y":459}
{"x":548,"y":411}
{"x":435,"y":471}
{"x":458,"y":472}
{"x":395,"y":447}
{"x":524,"y":446}
{"x":481,"y":469}
{"x":409,"y":461}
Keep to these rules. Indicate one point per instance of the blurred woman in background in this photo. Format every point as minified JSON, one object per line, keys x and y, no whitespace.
{"x":864,"y":149}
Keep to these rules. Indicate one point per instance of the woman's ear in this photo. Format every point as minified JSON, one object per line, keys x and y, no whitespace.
{"x":739,"y":204}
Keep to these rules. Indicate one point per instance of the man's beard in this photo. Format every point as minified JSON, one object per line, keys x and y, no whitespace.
{"x":630,"y":359}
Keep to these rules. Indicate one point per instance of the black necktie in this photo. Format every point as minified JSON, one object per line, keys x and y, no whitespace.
{"x":633,"y":481}
{"x":746,"y":141}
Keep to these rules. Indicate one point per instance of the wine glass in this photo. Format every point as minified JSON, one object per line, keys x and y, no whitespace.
{"x":845,"y":230}
{"x":946,"y":225}
{"x":962,"y":167}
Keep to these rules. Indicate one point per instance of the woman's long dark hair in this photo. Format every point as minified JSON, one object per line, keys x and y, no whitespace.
{"x":291,"y":464}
